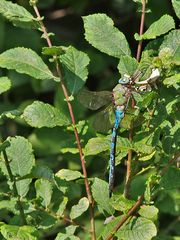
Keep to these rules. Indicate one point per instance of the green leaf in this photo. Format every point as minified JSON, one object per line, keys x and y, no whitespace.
{"x":23,"y":186}
{"x":96,"y":145}
{"x":101,"y":144}
{"x":161,"y":26}
{"x":171,"y":179}
{"x":74,"y":64}
{"x":64,"y":236}
{"x":120,"y":203}
{"x":176,"y":6}
{"x":137,"y":229}
{"x":21,"y":161}
{"x":69,"y":235}
{"x":100,"y":191}
{"x":109,"y":228}
{"x":40,"y":114}
{"x":146,"y":157}
{"x":149,"y":212}
{"x":62,"y":207}
{"x":123,"y":144}
{"x":54,"y":50}
{"x":68,"y":175}
{"x":44,"y":219}
{"x":101,"y":34}
{"x":80,"y":208}
{"x":141,"y":147}
{"x":18,"y":15}
{"x":51,"y":140}
{"x":127,"y":65}
{"x":173,"y":80}
{"x":172,"y":43}
{"x":44,"y":191}
{"x":12,"y":232}
{"x":9,"y":205}
{"x":71,"y":229}
{"x":24,"y":60}
{"x":43,"y":171}
{"x":20,"y":156}
{"x":11,"y":114}
{"x":5,"y":84}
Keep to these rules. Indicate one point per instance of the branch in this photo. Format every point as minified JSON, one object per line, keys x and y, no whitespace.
{"x":125,"y":218}
{"x":139,"y":49}
{"x":15,"y":191}
{"x":129,"y":160}
{"x":82,"y":158}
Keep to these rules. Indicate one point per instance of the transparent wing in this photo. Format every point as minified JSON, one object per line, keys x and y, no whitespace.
{"x":94,"y":100}
{"x":104,"y":120}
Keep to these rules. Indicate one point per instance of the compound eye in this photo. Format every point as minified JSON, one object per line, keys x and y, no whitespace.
{"x":142,"y":88}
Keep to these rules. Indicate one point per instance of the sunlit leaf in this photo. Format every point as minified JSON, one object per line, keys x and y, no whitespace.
{"x":127,"y":65}
{"x":18,"y":15}
{"x":68,"y":175}
{"x":62,"y":207}
{"x":5,"y":84}
{"x":12,"y":232}
{"x":25,"y":60}
{"x":74,"y":64}
{"x":21,"y":161}
{"x":44,"y":191}
{"x":80,"y":208}
{"x":176,"y":6}
{"x":97,"y":145}
{"x":120,"y":203}
{"x":172,"y":43}
{"x":100,"y":191}
{"x":20,"y":156}
{"x":54,"y":50}
{"x":161,"y":26}
{"x":101,"y":34}
{"x":40,"y":114}
{"x":149,"y":212}
{"x":69,"y":235}
{"x":137,"y":229}
{"x":173,"y":80}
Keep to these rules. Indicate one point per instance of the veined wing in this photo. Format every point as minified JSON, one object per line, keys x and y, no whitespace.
{"x":104,"y":120}
{"x":94,"y":100}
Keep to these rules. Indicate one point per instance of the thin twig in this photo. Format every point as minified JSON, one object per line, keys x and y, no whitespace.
{"x":139,"y":49}
{"x":125,"y":218}
{"x":129,"y":160}
{"x":15,"y":191}
{"x":82,"y":158}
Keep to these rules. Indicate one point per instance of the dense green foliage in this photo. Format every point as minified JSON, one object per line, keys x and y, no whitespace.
{"x":43,"y":193}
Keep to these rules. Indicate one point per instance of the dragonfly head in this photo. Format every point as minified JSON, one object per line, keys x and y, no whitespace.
{"x":125,"y":79}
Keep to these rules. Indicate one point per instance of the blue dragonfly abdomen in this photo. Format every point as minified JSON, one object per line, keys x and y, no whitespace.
{"x":121,"y":96}
{"x":119,"y":113}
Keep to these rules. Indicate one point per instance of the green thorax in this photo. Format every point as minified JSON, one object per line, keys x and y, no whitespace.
{"x":119,"y":94}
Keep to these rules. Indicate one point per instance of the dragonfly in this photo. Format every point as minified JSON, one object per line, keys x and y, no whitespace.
{"x":120,"y":97}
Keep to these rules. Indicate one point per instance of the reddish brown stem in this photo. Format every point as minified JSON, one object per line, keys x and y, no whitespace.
{"x":141,"y":30}
{"x":83,"y":163}
{"x":125,"y":218}
{"x":129,"y":160}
